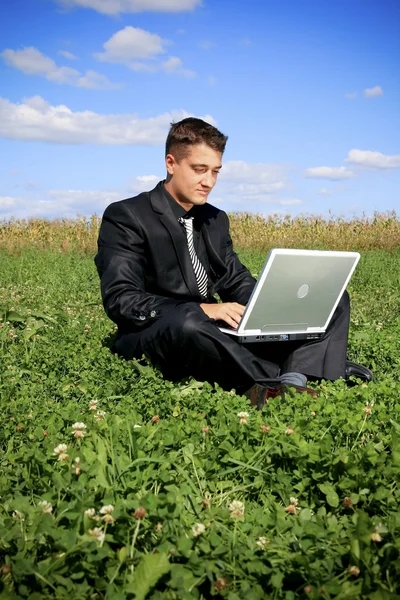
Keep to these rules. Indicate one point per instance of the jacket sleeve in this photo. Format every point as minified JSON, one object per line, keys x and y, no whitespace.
{"x":238,"y":283}
{"x":121,"y":263}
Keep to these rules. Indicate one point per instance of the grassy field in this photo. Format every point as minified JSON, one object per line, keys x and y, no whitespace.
{"x":117,"y":484}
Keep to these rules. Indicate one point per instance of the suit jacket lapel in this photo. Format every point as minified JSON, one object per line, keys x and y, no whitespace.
{"x":167,"y":218}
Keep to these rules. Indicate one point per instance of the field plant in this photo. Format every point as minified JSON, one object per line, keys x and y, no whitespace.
{"x":117,"y":484}
{"x":249,"y":231}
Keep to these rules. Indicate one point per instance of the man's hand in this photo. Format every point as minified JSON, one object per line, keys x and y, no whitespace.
{"x":230,"y":312}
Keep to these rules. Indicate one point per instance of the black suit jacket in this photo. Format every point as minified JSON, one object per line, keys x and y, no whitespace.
{"x":144,"y":264}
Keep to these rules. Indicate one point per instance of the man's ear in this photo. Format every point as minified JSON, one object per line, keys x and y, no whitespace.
{"x":170,"y":164}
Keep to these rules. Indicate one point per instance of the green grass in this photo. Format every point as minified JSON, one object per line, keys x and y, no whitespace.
{"x":342,"y":462}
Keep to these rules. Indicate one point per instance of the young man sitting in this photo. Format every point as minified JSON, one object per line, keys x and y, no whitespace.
{"x":164,"y":254}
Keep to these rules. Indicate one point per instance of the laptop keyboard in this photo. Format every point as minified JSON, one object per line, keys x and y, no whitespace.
{"x":225,"y":325}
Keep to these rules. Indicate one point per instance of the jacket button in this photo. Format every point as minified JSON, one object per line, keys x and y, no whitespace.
{"x":142,"y":317}
{"x":153,"y":314}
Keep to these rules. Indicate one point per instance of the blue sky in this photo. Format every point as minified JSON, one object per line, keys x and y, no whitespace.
{"x":308,"y":93}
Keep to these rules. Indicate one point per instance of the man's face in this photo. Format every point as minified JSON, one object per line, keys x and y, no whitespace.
{"x":193,"y":177}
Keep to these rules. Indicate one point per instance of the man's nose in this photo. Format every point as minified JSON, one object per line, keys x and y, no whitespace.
{"x":207,"y":179}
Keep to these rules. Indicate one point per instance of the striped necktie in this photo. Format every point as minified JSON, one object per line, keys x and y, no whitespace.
{"x":199,"y":270}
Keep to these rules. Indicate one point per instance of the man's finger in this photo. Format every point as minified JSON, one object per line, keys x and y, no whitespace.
{"x":230,"y":321}
{"x":235,"y":315}
{"x":235,"y":318}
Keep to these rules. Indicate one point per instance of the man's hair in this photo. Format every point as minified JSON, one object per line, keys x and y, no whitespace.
{"x":189,"y":132}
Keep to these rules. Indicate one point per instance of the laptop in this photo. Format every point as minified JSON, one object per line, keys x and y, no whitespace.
{"x":296,"y":295}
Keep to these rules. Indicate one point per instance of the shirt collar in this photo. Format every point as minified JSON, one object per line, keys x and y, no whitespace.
{"x":177,"y":209}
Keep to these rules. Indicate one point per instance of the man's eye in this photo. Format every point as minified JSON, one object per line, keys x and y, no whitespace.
{"x":200,"y":170}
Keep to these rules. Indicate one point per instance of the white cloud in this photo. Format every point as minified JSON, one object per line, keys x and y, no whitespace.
{"x":351,"y":95}
{"x":290,"y":201}
{"x":116,"y":7}
{"x":174,"y":66}
{"x":141,"y":50}
{"x":67,"y":55}
{"x":244,"y":184}
{"x":29,"y":60}
{"x":255,"y":189}
{"x":332,"y":173}
{"x":32,"y":62}
{"x":130,"y":44}
{"x":375,"y":160}
{"x":34,"y":119}
{"x":74,"y":202}
{"x":373,"y":92}
{"x":95,"y":81}
{"x":65,"y":75}
{"x":69,"y":203}
{"x":324,"y":192}
{"x":260,"y":173}
{"x":147,"y":178}
{"x":144,"y":183}
{"x":6,"y":202}
{"x":58,"y":203}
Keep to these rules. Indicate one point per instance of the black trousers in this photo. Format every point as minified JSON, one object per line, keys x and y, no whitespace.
{"x":186,"y":342}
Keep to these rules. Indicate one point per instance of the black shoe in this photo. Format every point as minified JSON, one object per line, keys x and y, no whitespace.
{"x":355,"y":370}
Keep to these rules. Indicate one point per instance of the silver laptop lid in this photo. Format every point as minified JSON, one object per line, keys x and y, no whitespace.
{"x":298,"y":291}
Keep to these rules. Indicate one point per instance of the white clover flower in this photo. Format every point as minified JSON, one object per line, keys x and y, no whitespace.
{"x":243,"y":416}
{"x":236,"y":509}
{"x":136,"y":426}
{"x":61,"y":452}
{"x":198,"y":529}
{"x":98,"y":534}
{"x":294,"y":501}
{"x":60,"y":449}
{"x":108,"y":518}
{"x":77,"y":426}
{"x":262,"y":542}
{"x":17,"y":515}
{"x":375,"y":536}
{"x":45,"y":506}
{"x":99,"y":416}
{"x":90,"y":512}
{"x":79,"y":433}
{"x":107,"y":509}
{"x":79,"y":430}
{"x":77,"y":460}
{"x":93,"y":405}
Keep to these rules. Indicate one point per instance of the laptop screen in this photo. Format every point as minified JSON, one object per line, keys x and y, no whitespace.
{"x":298,"y":290}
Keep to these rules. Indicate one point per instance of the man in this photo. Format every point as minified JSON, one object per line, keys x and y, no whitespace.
{"x":164,"y":254}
